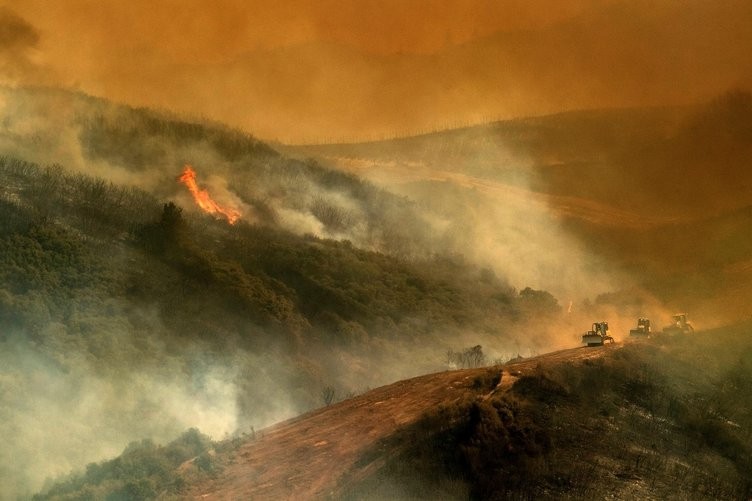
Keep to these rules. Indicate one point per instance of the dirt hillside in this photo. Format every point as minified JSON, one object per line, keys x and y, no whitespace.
{"x":320,"y":453}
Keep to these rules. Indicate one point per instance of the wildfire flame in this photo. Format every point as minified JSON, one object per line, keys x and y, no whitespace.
{"x":202,"y":198}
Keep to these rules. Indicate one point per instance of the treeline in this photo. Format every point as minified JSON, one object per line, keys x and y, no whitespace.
{"x":35,"y":193}
{"x":140,"y":138}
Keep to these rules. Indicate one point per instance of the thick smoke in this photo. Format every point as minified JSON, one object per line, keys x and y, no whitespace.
{"x":68,"y":405}
{"x":20,"y":55}
{"x":18,"y":41}
{"x":308,"y":72}
{"x":54,"y":127}
{"x":478,"y":202}
{"x":75,"y":391}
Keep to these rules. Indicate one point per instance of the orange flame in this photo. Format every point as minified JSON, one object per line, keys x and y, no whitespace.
{"x":202,"y":198}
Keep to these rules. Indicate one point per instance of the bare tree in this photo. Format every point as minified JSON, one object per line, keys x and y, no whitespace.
{"x":469,"y":358}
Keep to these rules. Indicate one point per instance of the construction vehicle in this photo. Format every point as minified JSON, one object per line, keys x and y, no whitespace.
{"x":680,"y":325}
{"x":642,"y":329}
{"x":598,"y":335}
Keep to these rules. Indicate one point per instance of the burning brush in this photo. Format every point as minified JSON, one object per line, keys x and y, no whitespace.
{"x":203,"y":200}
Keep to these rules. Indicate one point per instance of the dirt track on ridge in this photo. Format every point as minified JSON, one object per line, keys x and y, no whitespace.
{"x":314,"y":455}
{"x":591,"y":211}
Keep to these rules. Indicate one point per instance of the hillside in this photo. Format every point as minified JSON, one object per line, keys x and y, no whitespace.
{"x":128,"y":313}
{"x":663,"y":418}
{"x":678,"y":161}
{"x":647,"y":202}
{"x":132,"y":315}
{"x":321,"y":453}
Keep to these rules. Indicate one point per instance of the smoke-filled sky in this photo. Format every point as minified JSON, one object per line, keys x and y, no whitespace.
{"x":332,"y":69}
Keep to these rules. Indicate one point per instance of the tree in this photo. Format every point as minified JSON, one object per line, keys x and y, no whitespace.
{"x":171,"y":221}
{"x":327,"y":395}
{"x":166,"y":232}
{"x":536,"y":302}
{"x":470,"y":358}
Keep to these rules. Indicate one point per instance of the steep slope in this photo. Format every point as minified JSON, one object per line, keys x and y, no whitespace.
{"x":123,"y":287}
{"x":319,"y":454}
{"x":149,"y":149}
{"x":665,"y":419}
{"x":626,"y":421}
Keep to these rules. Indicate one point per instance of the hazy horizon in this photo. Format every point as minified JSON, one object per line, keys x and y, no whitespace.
{"x":301,"y":72}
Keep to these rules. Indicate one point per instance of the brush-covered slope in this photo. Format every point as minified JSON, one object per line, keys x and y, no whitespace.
{"x":148,"y":149}
{"x":666,"y":418}
{"x":126,"y":313}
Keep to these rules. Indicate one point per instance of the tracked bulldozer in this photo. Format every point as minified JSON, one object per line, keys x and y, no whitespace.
{"x":598,"y":335}
{"x":680,"y":325}
{"x":643,"y":328}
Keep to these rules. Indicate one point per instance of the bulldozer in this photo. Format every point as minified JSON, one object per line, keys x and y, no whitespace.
{"x":642,"y":329}
{"x":680,"y":325}
{"x":598,"y":335}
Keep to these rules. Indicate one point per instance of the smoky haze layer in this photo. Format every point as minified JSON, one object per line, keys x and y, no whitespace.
{"x":307,"y":73}
{"x":647,"y":199}
{"x":18,"y":40}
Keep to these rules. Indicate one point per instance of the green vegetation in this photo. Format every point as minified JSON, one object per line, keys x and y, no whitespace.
{"x":107,"y":291}
{"x":267,"y":277}
{"x":143,"y":471}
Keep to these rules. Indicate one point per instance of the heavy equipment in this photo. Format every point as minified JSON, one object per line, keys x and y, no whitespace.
{"x":598,"y":335}
{"x":680,"y":325}
{"x":642,"y":329}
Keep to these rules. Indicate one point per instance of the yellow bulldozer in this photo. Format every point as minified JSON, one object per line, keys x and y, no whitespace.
{"x":643,"y":328}
{"x":680,"y":325}
{"x":598,"y":335}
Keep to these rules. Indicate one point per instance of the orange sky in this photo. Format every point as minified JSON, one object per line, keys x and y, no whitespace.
{"x":191,"y":30}
{"x":305,"y":70}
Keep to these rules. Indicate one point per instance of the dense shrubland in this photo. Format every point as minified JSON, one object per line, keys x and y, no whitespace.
{"x":111,"y":291}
